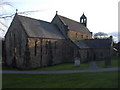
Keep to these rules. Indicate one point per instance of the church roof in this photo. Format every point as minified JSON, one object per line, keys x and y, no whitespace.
{"x":81,"y":44}
{"x":39,"y":28}
{"x":93,"y":43}
{"x":74,"y":25}
{"x":98,"y":43}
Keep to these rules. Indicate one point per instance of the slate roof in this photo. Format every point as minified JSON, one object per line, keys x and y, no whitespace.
{"x":98,"y":43}
{"x":39,"y":28}
{"x":74,"y":25}
{"x":93,"y":43}
{"x":81,"y":44}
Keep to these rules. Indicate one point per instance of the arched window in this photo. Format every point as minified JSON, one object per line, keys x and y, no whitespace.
{"x":82,"y":21}
{"x":87,"y":37}
{"x":36,"y":48}
{"x":76,"y":35}
{"x":14,"y":40}
{"x":55,"y":46}
{"x":47,"y":46}
{"x":81,"y":36}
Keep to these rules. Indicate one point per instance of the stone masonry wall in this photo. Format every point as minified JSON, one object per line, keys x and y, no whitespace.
{"x":15,"y":42}
{"x":46,"y":52}
{"x":74,"y":35}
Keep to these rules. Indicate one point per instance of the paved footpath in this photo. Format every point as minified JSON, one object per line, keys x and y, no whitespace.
{"x":60,"y":71}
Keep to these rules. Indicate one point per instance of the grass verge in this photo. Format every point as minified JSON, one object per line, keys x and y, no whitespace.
{"x":76,"y":80}
{"x":66,"y":66}
{"x":70,"y":66}
{"x":114,"y":63}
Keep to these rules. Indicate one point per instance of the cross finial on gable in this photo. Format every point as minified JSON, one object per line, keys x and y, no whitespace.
{"x":16,"y":10}
{"x":56,"y":12}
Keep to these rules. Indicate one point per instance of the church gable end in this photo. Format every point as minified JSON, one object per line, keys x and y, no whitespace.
{"x":74,"y":30}
{"x":60,"y":24}
{"x":15,"y":42}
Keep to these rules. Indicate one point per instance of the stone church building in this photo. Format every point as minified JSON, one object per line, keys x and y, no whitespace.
{"x":32,"y":43}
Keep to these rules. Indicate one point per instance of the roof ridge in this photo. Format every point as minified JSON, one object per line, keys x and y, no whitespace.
{"x":74,"y":25}
{"x":39,"y":28}
{"x":72,"y":20}
{"x":69,"y":19}
{"x":32,"y":18}
{"x":61,"y":19}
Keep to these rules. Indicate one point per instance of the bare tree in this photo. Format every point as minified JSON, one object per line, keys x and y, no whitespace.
{"x":4,"y":16}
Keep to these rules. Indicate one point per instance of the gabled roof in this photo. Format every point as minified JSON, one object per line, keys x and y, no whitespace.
{"x":74,"y":25}
{"x":98,"y":43}
{"x":93,"y":43}
{"x":39,"y":28}
{"x":81,"y":44}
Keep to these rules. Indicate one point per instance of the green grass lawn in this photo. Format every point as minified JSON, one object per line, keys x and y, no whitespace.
{"x":8,"y":68}
{"x":70,"y":66}
{"x":114,"y":63}
{"x":67,"y":66}
{"x":76,"y":80}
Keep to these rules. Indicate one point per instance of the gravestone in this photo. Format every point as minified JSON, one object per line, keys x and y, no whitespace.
{"x":93,"y":65}
{"x":107,"y":61}
{"x":77,"y":62}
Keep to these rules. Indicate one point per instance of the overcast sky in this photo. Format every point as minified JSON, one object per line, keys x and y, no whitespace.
{"x":102,"y":15}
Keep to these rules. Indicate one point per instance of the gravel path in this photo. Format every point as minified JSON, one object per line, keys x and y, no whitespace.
{"x":60,"y":71}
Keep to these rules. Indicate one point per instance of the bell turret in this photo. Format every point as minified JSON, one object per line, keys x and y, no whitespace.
{"x":83,"y":20}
